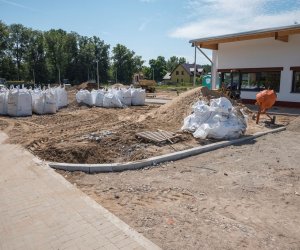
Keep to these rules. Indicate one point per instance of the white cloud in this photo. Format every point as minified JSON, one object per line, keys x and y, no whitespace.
{"x":219,"y":17}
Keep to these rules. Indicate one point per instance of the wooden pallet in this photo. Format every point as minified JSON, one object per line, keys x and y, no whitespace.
{"x":158,"y":137}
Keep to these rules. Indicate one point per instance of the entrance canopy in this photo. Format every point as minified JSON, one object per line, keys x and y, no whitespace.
{"x":279,"y":33}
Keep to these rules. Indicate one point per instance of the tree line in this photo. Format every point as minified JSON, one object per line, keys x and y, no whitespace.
{"x":48,"y":56}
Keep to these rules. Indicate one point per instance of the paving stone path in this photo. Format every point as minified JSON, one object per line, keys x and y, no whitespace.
{"x":39,"y":209}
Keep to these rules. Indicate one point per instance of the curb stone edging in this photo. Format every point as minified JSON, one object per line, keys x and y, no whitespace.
{"x":116,"y":167}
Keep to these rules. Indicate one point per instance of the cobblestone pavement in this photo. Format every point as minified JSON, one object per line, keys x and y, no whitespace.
{"x":39,"y":209}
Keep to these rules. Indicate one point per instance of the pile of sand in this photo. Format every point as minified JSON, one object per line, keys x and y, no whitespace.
{"x":176,"y":110}
{"x":118,"y":86}
{"x":87,"y":85}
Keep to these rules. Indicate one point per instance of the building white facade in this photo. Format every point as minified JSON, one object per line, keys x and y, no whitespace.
{"x":262,"y":53}
{"x":276,"y":49}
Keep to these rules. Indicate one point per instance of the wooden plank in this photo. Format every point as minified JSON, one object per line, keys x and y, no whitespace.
{"x":283,"y":38}
{"x":151,"y":136}
{"x":159,"y":137}
{"x":210,"y":46}
{"x":252,"y":70}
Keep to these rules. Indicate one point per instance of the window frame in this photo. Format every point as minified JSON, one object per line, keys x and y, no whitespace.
{"x":242,"y":71}
{"x":294,"y":70}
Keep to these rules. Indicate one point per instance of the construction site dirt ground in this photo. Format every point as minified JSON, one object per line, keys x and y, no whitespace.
{"x":243,"y":196}
{"x":240,"y":197}
{"x":80,"y":134}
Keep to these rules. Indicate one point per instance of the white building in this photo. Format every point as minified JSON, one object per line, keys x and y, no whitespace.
{"x":257,"y":60}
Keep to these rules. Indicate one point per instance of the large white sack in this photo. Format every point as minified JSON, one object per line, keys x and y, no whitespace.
{"x":201,"y":113}
{"x":49,"y":101}
{"x":138,"y":97}
{"x":3,"y":101}
{"x":125,"y":96}
{"x":111,"y":100}
{"x":97,"y":97}
{"x":84,"y":97}
{"x":37,"y":101}
{"x":221,"y":104}
{"x":61,"y":97}
{"x":218,"y":121}
{"x":19,"y":102}
{"x":44,"y":101}
{"x":226,"y":129}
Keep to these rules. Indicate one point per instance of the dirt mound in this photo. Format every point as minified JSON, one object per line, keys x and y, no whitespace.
{"x":87,"y":85}
{"x":176,"y":110}
{"x":118,"y":86}
{"x":294,"y":125}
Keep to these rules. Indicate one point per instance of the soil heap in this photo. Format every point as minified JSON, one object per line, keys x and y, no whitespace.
{"x":174,"y":112}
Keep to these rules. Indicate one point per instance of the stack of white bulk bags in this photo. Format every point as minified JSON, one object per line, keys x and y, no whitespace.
{"x":113,"y":98}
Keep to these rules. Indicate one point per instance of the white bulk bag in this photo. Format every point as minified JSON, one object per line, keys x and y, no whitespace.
{"x":3,"y":101}
{"x":37,"y":101}
{"x":19,"y":102}
{"x":138,"y":97}
{"x":84,"y":97}
{"x":219,"y":120}
{"x":61,"y":97}
{"x":49,"y":101}
{"x":97,"y":97}
{"x":111,"y":100}
{"x":125,"y":96}
{"x":221,"y":104}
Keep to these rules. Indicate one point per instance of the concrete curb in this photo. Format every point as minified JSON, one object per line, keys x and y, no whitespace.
{"x":115,"y":167}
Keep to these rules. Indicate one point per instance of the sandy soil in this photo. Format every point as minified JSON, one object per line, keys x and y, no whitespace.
{"x":243,"y":196}
{"x":78,"y":134}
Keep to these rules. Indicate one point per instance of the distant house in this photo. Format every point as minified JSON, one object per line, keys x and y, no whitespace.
{"x":185,"y":73}
{"x":167,"y":78}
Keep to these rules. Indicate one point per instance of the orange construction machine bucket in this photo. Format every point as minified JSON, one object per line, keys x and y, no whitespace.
{"x":265,"y":100}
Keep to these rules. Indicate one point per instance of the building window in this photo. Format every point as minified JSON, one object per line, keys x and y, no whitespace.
{"x":296,"y":82}
{"x":252,"y":79}
{"x":261,"y":80}
{"x":177,"y":80}
{"x":177,"y":72}
{"x":181,"y":80}
{"x":182,"y":72}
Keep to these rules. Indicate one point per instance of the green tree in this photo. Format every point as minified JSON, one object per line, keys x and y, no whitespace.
{"x":125,"y":63}
{"x":158,"y":67}
{"x":173,"y":62}
{"x":35,"y":57}
{"x":56,"y":53}
{"x":102,"y":55}
{"x":19,"y":39}
{"x":4,"y":35}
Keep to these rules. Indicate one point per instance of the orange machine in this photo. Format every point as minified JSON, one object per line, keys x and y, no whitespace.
{"x":265,"y":100}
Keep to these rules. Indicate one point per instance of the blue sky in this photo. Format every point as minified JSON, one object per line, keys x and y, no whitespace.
{"x":152,"y":27}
